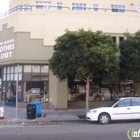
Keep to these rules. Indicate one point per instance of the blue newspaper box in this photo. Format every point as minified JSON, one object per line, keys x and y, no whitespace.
{"x":38,"y":108}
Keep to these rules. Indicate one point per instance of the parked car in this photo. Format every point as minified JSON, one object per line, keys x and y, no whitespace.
{"x":80,"y":97}
{"x":1,"y":112}
{"x":119,"y":109}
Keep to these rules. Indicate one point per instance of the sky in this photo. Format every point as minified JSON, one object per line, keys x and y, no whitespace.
{"x":4,"y":5}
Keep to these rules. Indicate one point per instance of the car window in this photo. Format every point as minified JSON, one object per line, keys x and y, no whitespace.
{"x":135,"y":102}
{"x":112,"y":103}
{"x":124,"y":103}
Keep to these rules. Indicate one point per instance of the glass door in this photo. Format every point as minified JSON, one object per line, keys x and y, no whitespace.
{"x":11,"y":94}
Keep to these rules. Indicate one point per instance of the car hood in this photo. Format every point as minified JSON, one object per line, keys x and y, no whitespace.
{"x":100,"y":108}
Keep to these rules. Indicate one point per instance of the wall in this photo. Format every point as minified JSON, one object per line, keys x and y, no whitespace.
{"x":49,"y":24}
{"x":136,"y":87}
{"x":130,"y":4}
{"x":92,"y":105}
{"x":24,"y":49}
{"x":57,"y":92}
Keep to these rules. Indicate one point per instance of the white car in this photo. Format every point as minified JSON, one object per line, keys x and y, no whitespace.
{"x":1,"y":112}
{"x":119,"y":109}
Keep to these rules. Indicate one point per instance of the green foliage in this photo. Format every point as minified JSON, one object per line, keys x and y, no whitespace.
{"x":130,"y":57}
{"x":80,"y":54}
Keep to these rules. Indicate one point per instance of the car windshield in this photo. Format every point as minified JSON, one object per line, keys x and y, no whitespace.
{"x":112,"y":103}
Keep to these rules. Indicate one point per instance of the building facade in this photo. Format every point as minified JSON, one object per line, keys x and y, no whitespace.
{"x":27,"y":34}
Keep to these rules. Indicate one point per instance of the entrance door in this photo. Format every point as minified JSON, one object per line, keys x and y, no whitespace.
{"x":11,"y":94}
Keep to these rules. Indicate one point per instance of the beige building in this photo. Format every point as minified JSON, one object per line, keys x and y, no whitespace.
{"x":27,"y":34}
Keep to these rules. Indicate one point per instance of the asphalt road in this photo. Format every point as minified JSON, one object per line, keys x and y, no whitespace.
{"x":68,"y":131}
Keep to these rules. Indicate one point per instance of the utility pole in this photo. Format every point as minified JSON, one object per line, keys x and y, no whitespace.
{"x":17,"y":91}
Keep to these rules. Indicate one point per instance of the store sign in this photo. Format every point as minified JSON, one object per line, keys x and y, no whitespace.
{"x":35,"y":91}
{"x":6,"y":48}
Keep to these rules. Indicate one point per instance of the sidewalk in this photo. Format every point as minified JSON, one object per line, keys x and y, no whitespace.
{"x":48,"y":116}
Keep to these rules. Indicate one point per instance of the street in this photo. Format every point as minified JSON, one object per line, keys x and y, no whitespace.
{"x":68,"y":131}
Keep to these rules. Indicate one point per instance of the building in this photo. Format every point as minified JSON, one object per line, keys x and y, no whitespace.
{"x":28,"y":31}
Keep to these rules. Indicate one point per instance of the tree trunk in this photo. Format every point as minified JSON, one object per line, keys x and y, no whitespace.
{"x":87,"y":93}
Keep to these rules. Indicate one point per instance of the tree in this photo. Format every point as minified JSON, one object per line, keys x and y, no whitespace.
{"x":81,"y":54}
{"x":130,"y":57}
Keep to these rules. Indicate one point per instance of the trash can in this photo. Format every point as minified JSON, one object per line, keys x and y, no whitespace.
{"x":38,"y":108}
{"x":31,"y":111}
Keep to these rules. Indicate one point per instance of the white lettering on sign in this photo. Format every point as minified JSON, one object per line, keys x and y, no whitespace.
{"x":6,"y":48}
{"x":6,"y":55}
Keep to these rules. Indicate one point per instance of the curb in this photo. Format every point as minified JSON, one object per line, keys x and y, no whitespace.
{"x":38,"y":122}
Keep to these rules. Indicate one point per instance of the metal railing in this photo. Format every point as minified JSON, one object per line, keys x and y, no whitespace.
{"x":38,"y":7}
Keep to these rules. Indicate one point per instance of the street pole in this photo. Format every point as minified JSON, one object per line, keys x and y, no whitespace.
{"x":17,"y":91}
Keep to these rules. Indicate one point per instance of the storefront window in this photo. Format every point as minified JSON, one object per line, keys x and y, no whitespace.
{"x":35,"y":91}
{"x":12,"y":73}
{"x":3,"y":90}
{"x":27,"y":76}
{"x":20,"y":76}
{"x":11,"y":92}
{"x":35,"y":87}
{"x":36,"y":76}
{"x":36,"y":68}
{"x":8,"y":77}
{"x":8,"y":69}
{"x":44,"y":72}
{"x":4,"y":70}
{"x":15,"y":76}
{"x":98,"y":91}
{"x":12,"y":69}
{"x":4,"y":74}
{"x":18,"y":69}
{"x":12,"y":77}
{"x":4,"y":77}
{"x":27,"y":68}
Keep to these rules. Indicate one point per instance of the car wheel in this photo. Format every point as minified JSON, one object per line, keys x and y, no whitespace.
{"x":104,"y":118}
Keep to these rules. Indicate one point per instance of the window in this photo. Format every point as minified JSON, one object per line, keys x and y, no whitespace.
{"x":95,"y":7}
{"x":118,"y":8}
{"x":27,"y":72}
{"x":4,"y":77}
{"x":79,"y":6}
{"x":25,"y":7}
{"x":121,"y":39}
{"x":124,"y":103}
{"x":4,"y":70}
{"x":27,"y":68}
{"x":59,"y":5}
{"x":12,"y":69}
{"x":139,"y":9}
{"x":136,"y":102}
{"x":10,"y":73}
{"x":43,"y":4}
{"x":36,"y":68}
{"x":35,"y":80}
{"x":44,"y":72}
{"x":8,"y":69}
{"x":114,"y":39}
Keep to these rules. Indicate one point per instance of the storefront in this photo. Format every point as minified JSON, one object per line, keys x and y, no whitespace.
{"x":32,"y":83}
{"x":31,"y":46}
{"x":30,"y":59}
{"x":99,"y":91}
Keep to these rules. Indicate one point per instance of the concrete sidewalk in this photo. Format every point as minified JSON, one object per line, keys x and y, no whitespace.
{"x":48,"y":116}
